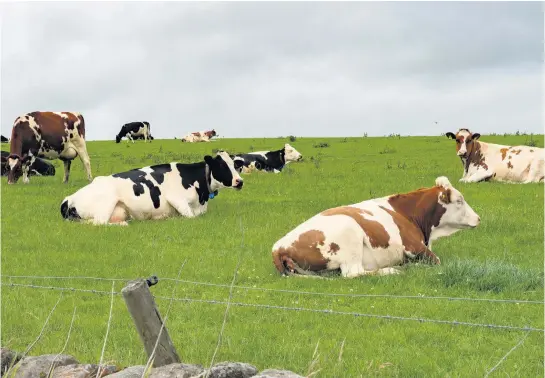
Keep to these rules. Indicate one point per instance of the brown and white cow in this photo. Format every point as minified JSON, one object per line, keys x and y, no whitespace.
{"x":200,"y":136}
{"x":495,"y":162}
{"x":50,"y":135}
{"x":373,"y":236}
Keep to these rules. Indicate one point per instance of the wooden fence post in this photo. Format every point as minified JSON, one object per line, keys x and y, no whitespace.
{"x":148,"y":322}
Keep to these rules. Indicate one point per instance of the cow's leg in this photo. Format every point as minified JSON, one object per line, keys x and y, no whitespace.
{"x":129,"y":137}
{"x":81,"y":149}
{"x":67,"y":164}
{"x":181,"y":206}
{"x":478,"y":176}
{"x":424,"y":255}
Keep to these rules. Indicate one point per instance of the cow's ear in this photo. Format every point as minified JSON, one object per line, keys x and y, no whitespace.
{"x":475,"y":136}
{"x":450,"y":135}
{"x":444,"y":197}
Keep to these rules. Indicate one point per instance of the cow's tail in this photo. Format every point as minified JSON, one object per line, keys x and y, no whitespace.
{"x":69,"y":212}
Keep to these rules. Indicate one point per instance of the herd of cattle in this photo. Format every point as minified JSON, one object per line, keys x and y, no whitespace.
{"x":369,"y":237}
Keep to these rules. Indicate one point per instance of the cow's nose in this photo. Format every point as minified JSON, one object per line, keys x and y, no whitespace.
{"x":239,"y":183}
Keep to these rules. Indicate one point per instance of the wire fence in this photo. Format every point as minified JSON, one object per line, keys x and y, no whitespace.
{"x":287,"y":291}
{"x":288,"y":308}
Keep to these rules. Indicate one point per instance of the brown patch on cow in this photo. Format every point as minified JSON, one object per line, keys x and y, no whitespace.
{"x":421,"y":207}
{"x":510,"y":156}
{"x":412,"y":237}
{"x":509,"y":165}
{"x":210,"y":133}
{"x":304,"y":251}
{"x":333,"y":248}
{"x":516,"y":152}
{"x":196,"y":134}
{"x":531,"y":150}
{"x":378,"y":237}
{"x":542,"y":178}
{"x":503,"y":153}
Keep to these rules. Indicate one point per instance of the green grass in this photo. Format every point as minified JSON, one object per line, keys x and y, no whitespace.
{"x":503,"y":258}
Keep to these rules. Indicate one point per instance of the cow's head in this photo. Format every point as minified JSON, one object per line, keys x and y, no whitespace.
{"x":458,"y":214}
{"x":464,"y":141}
{"x":117,"y":139}
{"x":223,"y":172}
{"x":15,"y":166}
{"x":291,"y":154}
{"x":211,"y":133}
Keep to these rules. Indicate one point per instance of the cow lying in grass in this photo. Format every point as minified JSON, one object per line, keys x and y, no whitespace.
{"x":154,"y":192}
{"x":38,"y":167}
{"x":373,"y":236}
{"x":268,"y":161}
{"x":495,"y":162}
{"x":200,"y":136}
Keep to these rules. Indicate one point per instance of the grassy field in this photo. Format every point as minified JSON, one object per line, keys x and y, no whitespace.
{"x":503,"y":258}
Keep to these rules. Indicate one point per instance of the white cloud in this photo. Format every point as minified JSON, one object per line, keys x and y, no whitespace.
{"x":276,"y":68}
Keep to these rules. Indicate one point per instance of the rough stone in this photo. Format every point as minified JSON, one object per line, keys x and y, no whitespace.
{"x":82,"y":371}
{"x":176,"y":371}
{"x":8,"y":357}
{"x":232,"y":370}
{"x":273,"y":373}
{"x":38,"y":366}
{"x":130,"y":372}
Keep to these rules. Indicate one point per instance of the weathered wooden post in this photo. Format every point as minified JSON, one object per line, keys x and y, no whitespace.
{"x":148,"y":322}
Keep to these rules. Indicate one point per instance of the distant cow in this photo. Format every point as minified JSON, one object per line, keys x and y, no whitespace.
{"x":269,"y":161}
{"x":50,"y":135}
{"x":373,"y":236}
{"x":200,"y":136}
{"x":4,"y":139}
{"x":154,"y":192}
{"x":39,"y":167}
{"x":134,"y":130}
{"x":495,"y":162}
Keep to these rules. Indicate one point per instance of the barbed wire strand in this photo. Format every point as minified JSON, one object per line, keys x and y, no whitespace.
{"x":65,"y":343}
{"x":507,"y":354}
{"x":220,"y":335}
{"x":211,"y":301}
{"x":152,"y":355}
{"x":346,"y":295}
{"x":99,"y":370}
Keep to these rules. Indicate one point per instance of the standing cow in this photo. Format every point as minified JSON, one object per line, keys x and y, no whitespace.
{"x":373,"y":236}
{"x":200,"y":136}
{"x":154,"y":192}
{"x":134,"y":130}
{"x":495,"y":162}
{"x":268,"y":161}
{"x":51,"y":135}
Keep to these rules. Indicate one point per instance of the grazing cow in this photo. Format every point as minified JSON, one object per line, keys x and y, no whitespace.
{"x":50,"y":135}
{"x":372,"y":236}
{"x":269,"y":161}
{"x":4,"y":139}
{"x":200,"y":136}
{"x":495,"y":162}
{"x":39,"y":167}
{"x":132,"y":130}
{"x":154,"y":192}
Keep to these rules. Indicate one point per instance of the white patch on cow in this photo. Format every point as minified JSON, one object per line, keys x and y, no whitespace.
{"x":12,"y":162}
{"x":291,"y":154}
{"x":458,"y":215}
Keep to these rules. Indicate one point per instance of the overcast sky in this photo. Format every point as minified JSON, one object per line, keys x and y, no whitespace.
{"x":252,"y":69}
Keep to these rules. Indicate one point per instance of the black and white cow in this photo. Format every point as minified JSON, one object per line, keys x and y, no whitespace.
{"x":132,"y":130}
{"x":269,"y":161}
{"x":141,"y":137}
{"x":153,"y":192}
{"x":4,"y":139}
{"x":38,"y":167}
